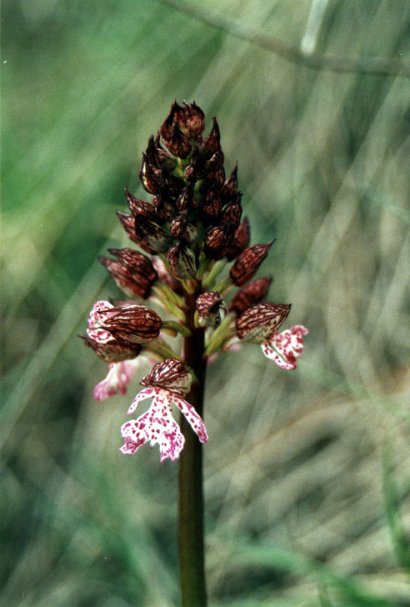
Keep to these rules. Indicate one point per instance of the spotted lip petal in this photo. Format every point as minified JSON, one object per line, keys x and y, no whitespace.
{"x":286,"y":347}
{"x":157,"y":426}
{"x":192,"y":417}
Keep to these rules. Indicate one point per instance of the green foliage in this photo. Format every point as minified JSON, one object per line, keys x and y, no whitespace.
{"x":392,"y":499}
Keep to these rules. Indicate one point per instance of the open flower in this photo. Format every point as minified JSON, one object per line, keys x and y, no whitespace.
{"x":285,"y":348}
{"x":260,"y":324}
{"x":157,"y":426}
{"x":118,"y":377}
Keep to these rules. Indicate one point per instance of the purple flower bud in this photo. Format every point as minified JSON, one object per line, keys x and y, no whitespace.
{"x":150,"y":236}
{"x":230,"y":187}
{"x":216,"y":163}
{"x":231,"y":215}
{"x":259,"y":323}
{"x":216,"y":240}
{"x":133,"y":271}
{"x":209,"y":306}
{"x":182,"y":261}
{"x":182,"y":229}
{"x":248,"y":262}
{"x":191,"y":120}
{"x":214,"y":179}
{"x":211,"y":208}
{"x":112,"y":351}
{"x":250,"y":295}
{"x":175,"y":141}
{"x":164,"y":208}
{"x":212,"y":143}
{"x":185,"y":201}
{"x":195,"y":169}
{"x":139,"y":207}
{"x":158,"y":157}
{"x":132,"y":324}
{"x":170,"y":375}
{"x":240,"y":240}
{"x":128,"y":223}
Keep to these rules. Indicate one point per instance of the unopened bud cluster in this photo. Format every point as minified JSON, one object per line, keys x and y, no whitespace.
{"x":194,"y":251}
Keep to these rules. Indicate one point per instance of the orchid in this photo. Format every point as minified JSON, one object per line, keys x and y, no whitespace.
{"x":197,"y":264}
{"x":286,"y":347}
{"x":157,"y":425}
{"x":118,"y":377}
{"x":260,"y":324}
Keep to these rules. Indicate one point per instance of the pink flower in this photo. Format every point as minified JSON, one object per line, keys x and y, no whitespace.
{"x":285,"y":348}
{"x":117,"y":380}
{"x":157,"y":425}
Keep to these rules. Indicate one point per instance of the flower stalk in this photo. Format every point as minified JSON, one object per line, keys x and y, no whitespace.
{"x":191,"y":498}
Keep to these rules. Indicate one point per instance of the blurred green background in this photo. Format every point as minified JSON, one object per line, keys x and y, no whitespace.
{"x":307,"y":473}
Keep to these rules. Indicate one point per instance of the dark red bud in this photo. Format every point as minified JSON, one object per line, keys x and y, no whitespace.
{"x":151,"y":178}
{"x":150,"y":236}
{"x":195,"y":169}
{"x":164,"y":208}
{"x":211,"y":208}
{"x":248,"y":262}
{"x":213,"y":180}
{"x":209,"y":305}
{"x":230,"y":187}
{"x":215,"y":163}
{"x":112,"y":352}
{"x":170,"y":121}
{"x":172,"y":186}
{"x":133,"y":272}
{"x":132,"y":324}
{"x":159,"y":158}
{"x":216,"y":240}
{"x":191,"y":120}
{"x":166,"y":161}
{"x":176,"y":142}
{"x":170,"y":375}
{"x":183,"y":230}
{"x":139,"y":207}
{"x":151,"y":154}
{"x":135,"y":262}
{"x":184,"y":201}
{"x":128,"y":223}
{"x":250,"y":295}
{"x":182,"y":261}
{"x":240,"y":240}
{"x":231,"y":215}
{"x":212,"y":143}
{"x":260,"y":323}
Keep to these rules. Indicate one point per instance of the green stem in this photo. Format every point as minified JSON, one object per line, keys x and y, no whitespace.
{"x":191,"y":503}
